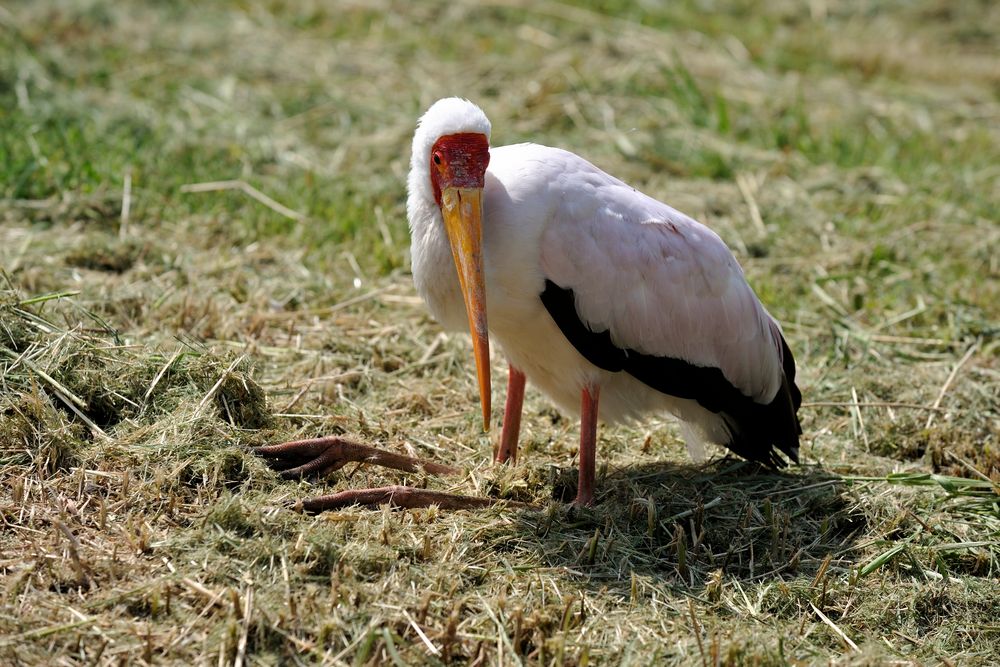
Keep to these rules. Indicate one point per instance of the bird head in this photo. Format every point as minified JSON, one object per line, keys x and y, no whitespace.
{"x":452,"y":143}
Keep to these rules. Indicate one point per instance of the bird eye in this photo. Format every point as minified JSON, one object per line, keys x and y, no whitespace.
{"x":437,"y":158}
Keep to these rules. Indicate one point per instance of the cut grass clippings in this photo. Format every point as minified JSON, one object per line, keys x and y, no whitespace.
{"x":204,"y":249}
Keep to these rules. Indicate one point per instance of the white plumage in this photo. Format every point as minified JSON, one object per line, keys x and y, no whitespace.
{"x":661,"y":284}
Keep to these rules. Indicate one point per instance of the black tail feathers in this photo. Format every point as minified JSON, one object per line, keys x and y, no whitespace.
{"x":758,"y":434}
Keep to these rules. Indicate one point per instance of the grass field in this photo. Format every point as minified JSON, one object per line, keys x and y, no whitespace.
{"x":204,"y":248}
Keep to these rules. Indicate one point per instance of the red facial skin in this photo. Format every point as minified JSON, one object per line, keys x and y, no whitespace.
{"x":459,"y":161}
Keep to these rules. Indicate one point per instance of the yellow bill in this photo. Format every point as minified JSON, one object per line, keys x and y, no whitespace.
{"x":462,"y":209}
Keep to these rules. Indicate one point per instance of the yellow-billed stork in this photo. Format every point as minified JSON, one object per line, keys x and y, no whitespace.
{"x":609,"y":301}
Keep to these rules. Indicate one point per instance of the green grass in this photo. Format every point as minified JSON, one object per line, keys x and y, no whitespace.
{"x":142,"y":354}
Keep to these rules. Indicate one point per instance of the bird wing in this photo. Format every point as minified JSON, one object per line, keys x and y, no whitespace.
{"x":659,"y":283}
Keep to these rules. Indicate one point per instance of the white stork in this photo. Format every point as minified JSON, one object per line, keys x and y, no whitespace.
{"x":610,"y":302}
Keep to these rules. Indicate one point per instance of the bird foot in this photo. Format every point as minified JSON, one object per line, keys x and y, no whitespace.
{"x":321,"y":456}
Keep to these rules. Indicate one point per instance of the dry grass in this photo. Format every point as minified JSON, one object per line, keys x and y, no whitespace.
{"x":151,"y":329}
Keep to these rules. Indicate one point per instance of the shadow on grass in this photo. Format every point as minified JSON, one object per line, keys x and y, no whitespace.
{"x":689,"y":526}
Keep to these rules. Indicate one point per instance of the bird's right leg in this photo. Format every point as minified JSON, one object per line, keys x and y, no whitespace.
{"x":511,"y":416}
{"x":319,"y":456}
{"x":588,"y":445}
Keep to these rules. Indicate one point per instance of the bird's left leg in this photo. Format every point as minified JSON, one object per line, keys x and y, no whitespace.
{"x":588,"y":445}
{"x":511,"y":416}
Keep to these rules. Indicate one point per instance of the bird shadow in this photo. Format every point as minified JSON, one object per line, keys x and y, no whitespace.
{"x":691,"y":525}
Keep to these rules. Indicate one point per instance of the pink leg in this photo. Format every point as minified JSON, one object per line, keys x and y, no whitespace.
{"x":511,"y":417}
{"x":588,"y":445}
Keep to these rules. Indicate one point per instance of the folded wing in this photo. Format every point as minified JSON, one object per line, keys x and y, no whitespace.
{"x":637,"y":286}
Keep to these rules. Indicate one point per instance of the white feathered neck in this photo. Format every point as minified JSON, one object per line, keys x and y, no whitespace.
{"x":430,"y":252}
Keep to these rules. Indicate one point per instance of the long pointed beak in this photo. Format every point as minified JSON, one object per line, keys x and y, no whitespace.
{"x":462,"y":209}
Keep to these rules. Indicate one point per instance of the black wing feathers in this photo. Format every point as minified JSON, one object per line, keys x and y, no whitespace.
{"x":755,"y":428}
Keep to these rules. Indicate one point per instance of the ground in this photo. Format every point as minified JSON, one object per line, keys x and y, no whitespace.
{"x":204,"y":248}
